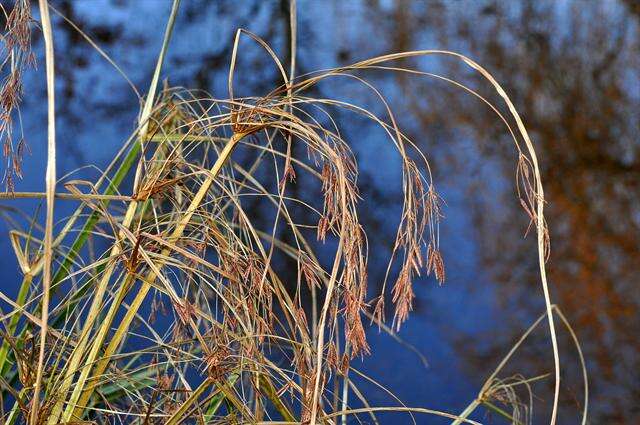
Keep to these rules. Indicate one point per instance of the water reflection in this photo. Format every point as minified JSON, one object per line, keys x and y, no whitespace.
{"x":572,"y":68}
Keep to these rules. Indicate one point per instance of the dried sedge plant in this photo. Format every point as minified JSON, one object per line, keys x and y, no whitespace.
{"x":16,"y":58}
{"x":244,"y":341}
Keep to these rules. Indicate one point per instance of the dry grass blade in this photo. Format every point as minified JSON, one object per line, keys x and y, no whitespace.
{"x":50,"y":190}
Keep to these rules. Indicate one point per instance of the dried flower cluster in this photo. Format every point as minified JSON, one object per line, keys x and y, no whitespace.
{"x":16,"y":57}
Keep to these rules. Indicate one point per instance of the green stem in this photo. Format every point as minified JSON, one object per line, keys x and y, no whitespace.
{"x":501,"y":412}
{"x":13,"y":322}
{"x":177,"y":417}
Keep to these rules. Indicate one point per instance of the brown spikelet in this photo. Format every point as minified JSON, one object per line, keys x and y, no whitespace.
{"x":247,"y":119}
{"x":309,"y":270}
{"x":354,"y":331}
{"x":402,"y":296}
{"x":530,"y":199}
{"x":323,"y":226}
{"x":526,"y":191}
{"x":164,"y":381}
{"x":332,"y":356}
{"x":436,"y":264}
{"x":288,"y":176}
{"x":216,"y":362}
{"x":154,"y":188}
{"x":184,"y":310}
{"x":378,"y":311}
{"x":344,"y":364}
{"x":307,"y":400}
{"x":302,"y":317}
{"x":290,"y":173}
{"x":357,"y":337}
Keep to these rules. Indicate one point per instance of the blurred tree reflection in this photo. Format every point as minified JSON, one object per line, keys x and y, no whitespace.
{"x":574,"y":70}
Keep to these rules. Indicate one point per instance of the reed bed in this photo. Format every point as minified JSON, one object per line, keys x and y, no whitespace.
{"x":247,"y":342}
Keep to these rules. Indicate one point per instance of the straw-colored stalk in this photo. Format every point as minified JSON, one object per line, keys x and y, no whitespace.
{"x":50,"y":192}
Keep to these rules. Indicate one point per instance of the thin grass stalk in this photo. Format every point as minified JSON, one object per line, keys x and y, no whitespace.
{"x":179,"y":414}
{"x":583,"y":364}
{"x":501,"y":412}
{"x":15,"y":410}
{"x":467,"y":411}
{"x":65,"y":196}
{"x":98,"y":49}
{"x":272,"y":395}
{"x":398,"y":410}
{"x":50,"y":190}
{"x":217,"y":399}
{"x":345,"y":388}
{"x":321,"y":325}
{"x":148,"y":105}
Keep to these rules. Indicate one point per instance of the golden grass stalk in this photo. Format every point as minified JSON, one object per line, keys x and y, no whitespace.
{"x":50,"y":191}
